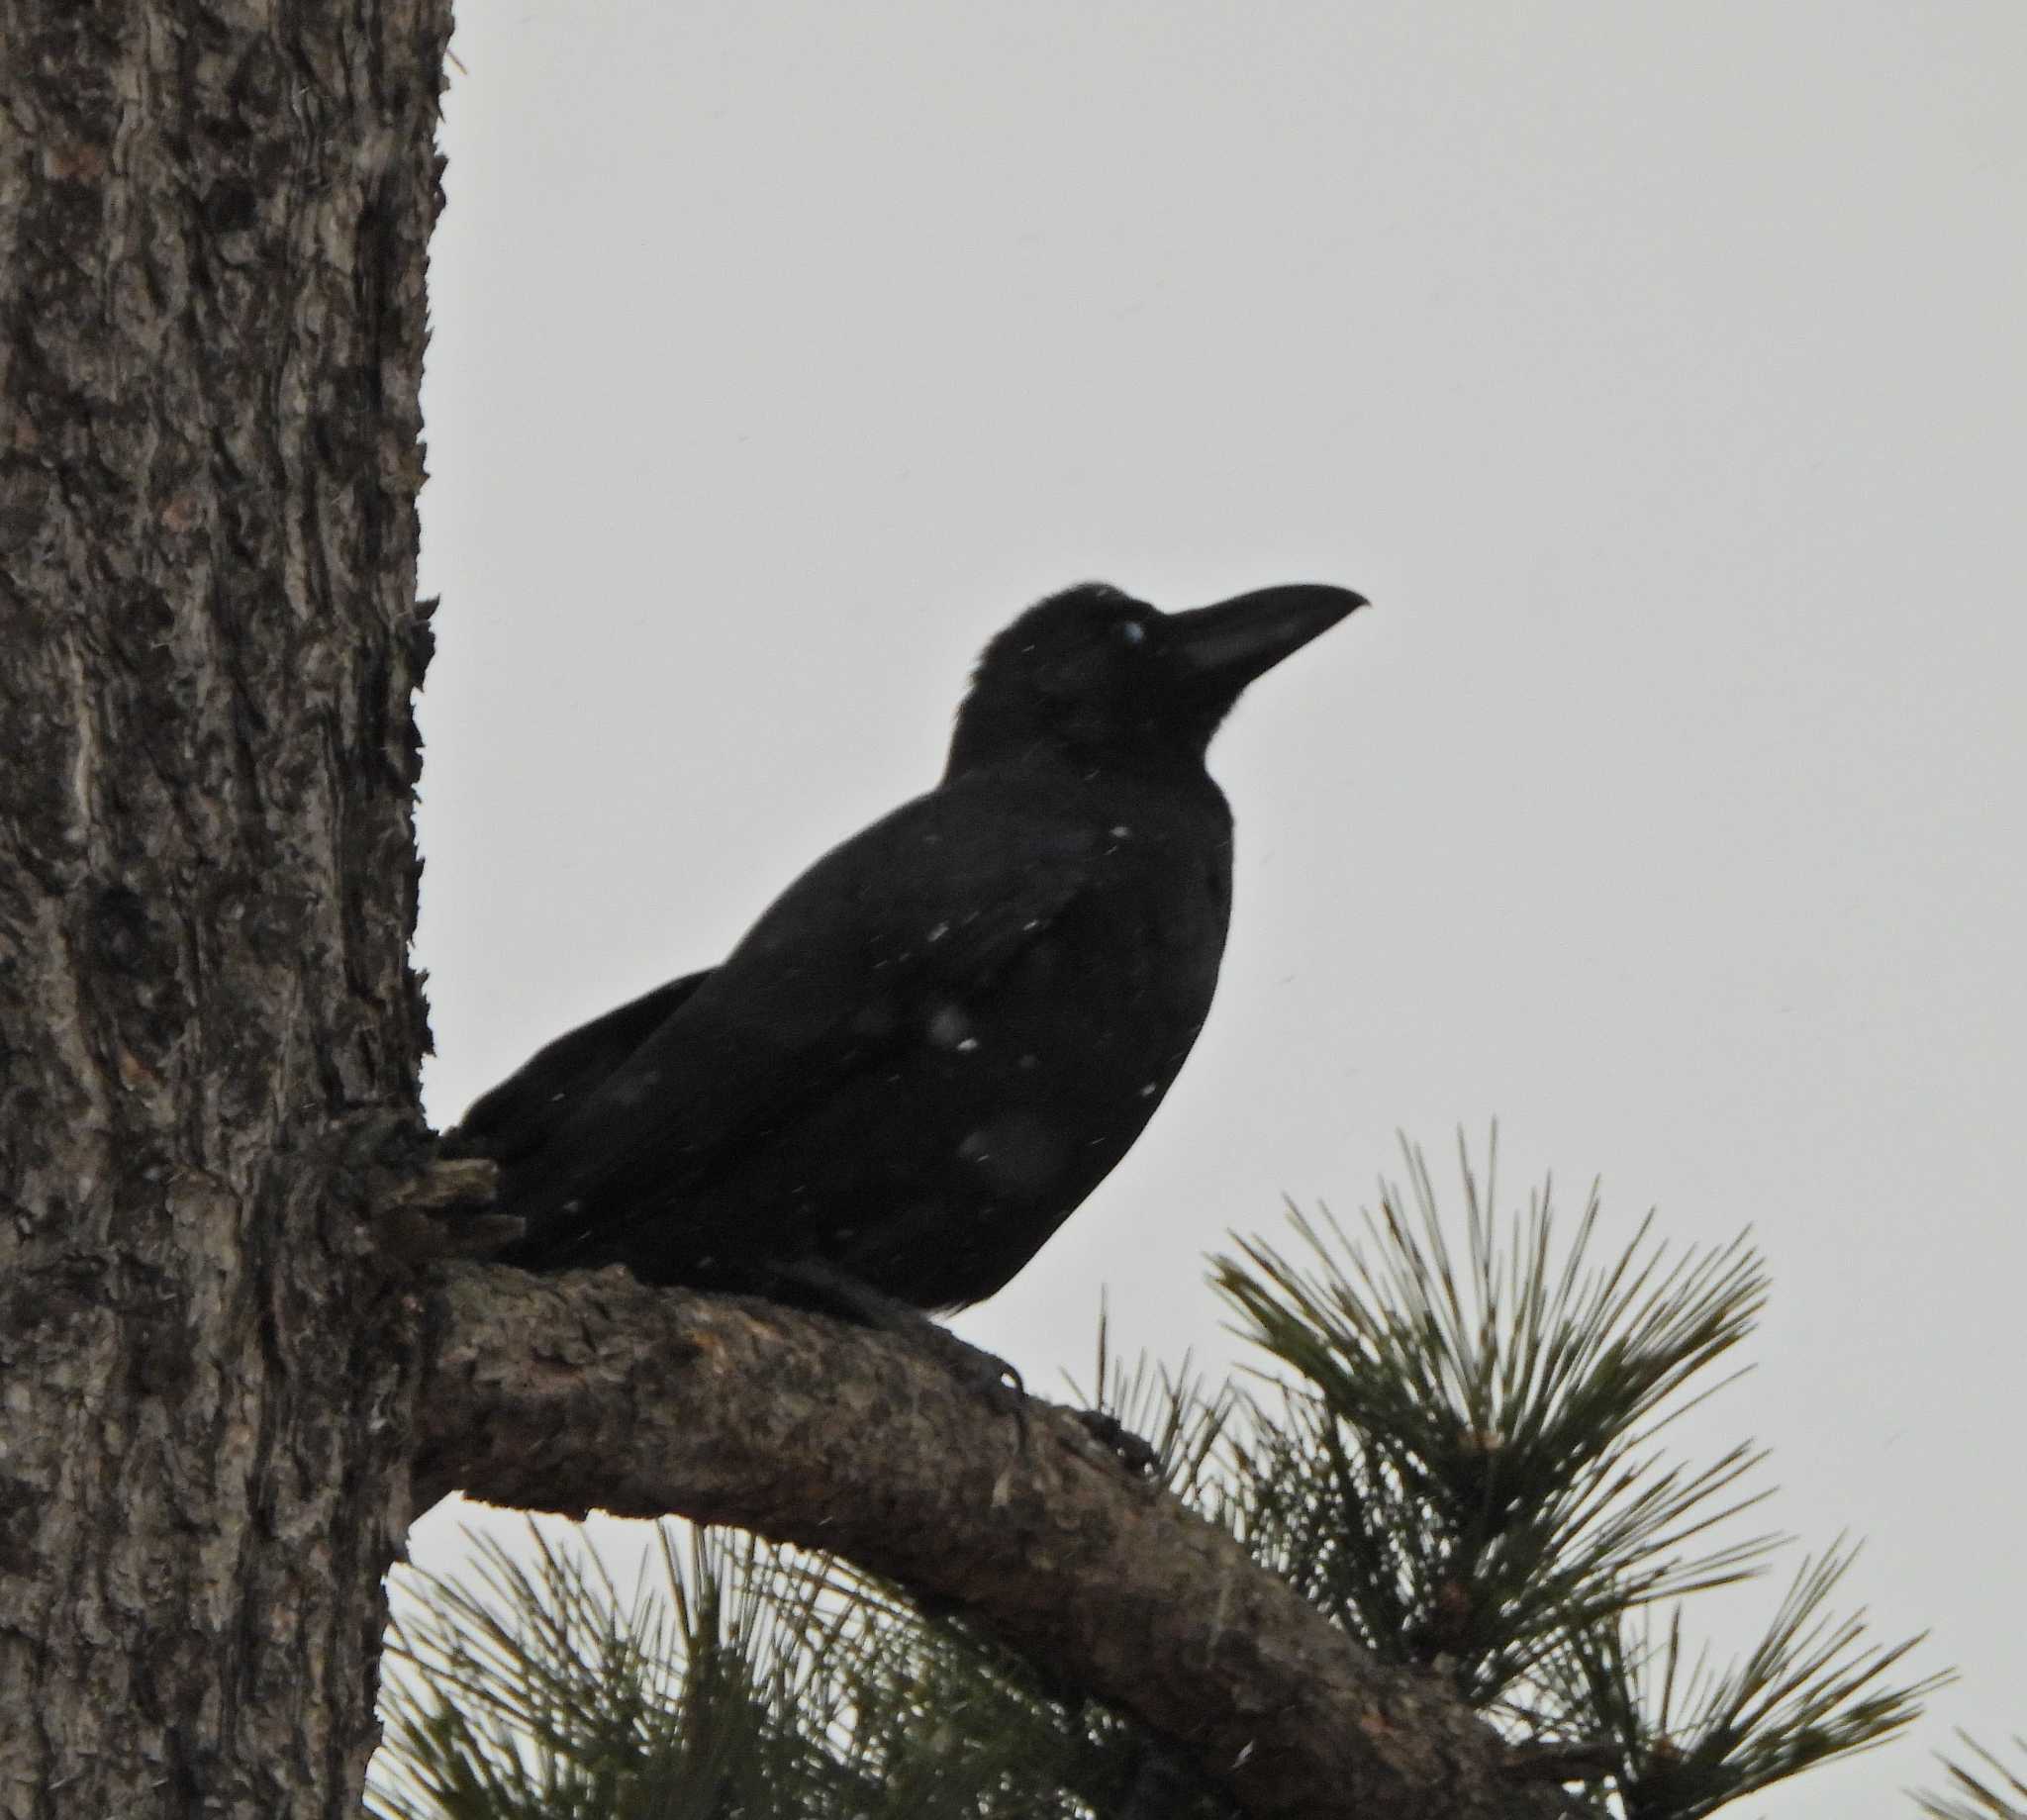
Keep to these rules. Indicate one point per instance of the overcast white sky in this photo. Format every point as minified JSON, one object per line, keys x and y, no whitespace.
{"x":1661,"y":374}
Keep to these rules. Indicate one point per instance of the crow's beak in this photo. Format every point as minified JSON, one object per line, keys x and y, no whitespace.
{"x":1224,"y":648}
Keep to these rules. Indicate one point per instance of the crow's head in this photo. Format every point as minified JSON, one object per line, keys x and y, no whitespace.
{"x":1094,"y":674}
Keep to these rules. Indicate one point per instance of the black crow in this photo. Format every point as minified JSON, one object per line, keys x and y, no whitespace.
{"x":943,"y":1035}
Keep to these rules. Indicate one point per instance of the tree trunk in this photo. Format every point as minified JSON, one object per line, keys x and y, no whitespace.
{"x":212,"y":225}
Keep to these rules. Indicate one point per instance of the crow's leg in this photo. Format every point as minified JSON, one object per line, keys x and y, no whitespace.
{"x":811,"y":1282}
{"x":816,"y":1283}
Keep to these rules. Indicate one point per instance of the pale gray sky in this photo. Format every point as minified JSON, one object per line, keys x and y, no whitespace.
{"x":1660,"y":373}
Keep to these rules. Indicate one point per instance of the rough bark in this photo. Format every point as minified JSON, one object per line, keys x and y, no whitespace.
{"x":212,"y":225}
{"x":552,"y":1394}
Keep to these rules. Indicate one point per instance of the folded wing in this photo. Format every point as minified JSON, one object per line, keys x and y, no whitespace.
{"x":841,"y":976}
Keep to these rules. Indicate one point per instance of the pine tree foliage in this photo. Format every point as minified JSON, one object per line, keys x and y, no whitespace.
{"x":739,"y":1681}
{"x":1453,"y":1453}
{"x":1986,"y":1791}
{"x":1686,"y":1738}
{"x":1466,"y":1470}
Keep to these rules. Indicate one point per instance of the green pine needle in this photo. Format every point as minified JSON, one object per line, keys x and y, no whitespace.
{"x":534,"y":1692}
{"x":746,"y":1683}
{"x":1689,"y":1739}
{"x":1475,"y":1456}
{"x":1972,"y":1798}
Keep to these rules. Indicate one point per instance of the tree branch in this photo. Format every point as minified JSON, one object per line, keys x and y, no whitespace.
{"x":568,"y":1392}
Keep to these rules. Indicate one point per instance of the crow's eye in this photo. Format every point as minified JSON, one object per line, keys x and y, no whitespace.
{"x":1131,"y":631}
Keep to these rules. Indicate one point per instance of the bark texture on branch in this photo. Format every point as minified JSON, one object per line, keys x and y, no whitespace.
{"x":556,"y":1393}
{"x":212,"y":225}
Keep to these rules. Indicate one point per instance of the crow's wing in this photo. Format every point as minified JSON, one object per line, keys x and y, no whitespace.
{"x":512,"y":1121}
{"x":845,"y":969}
